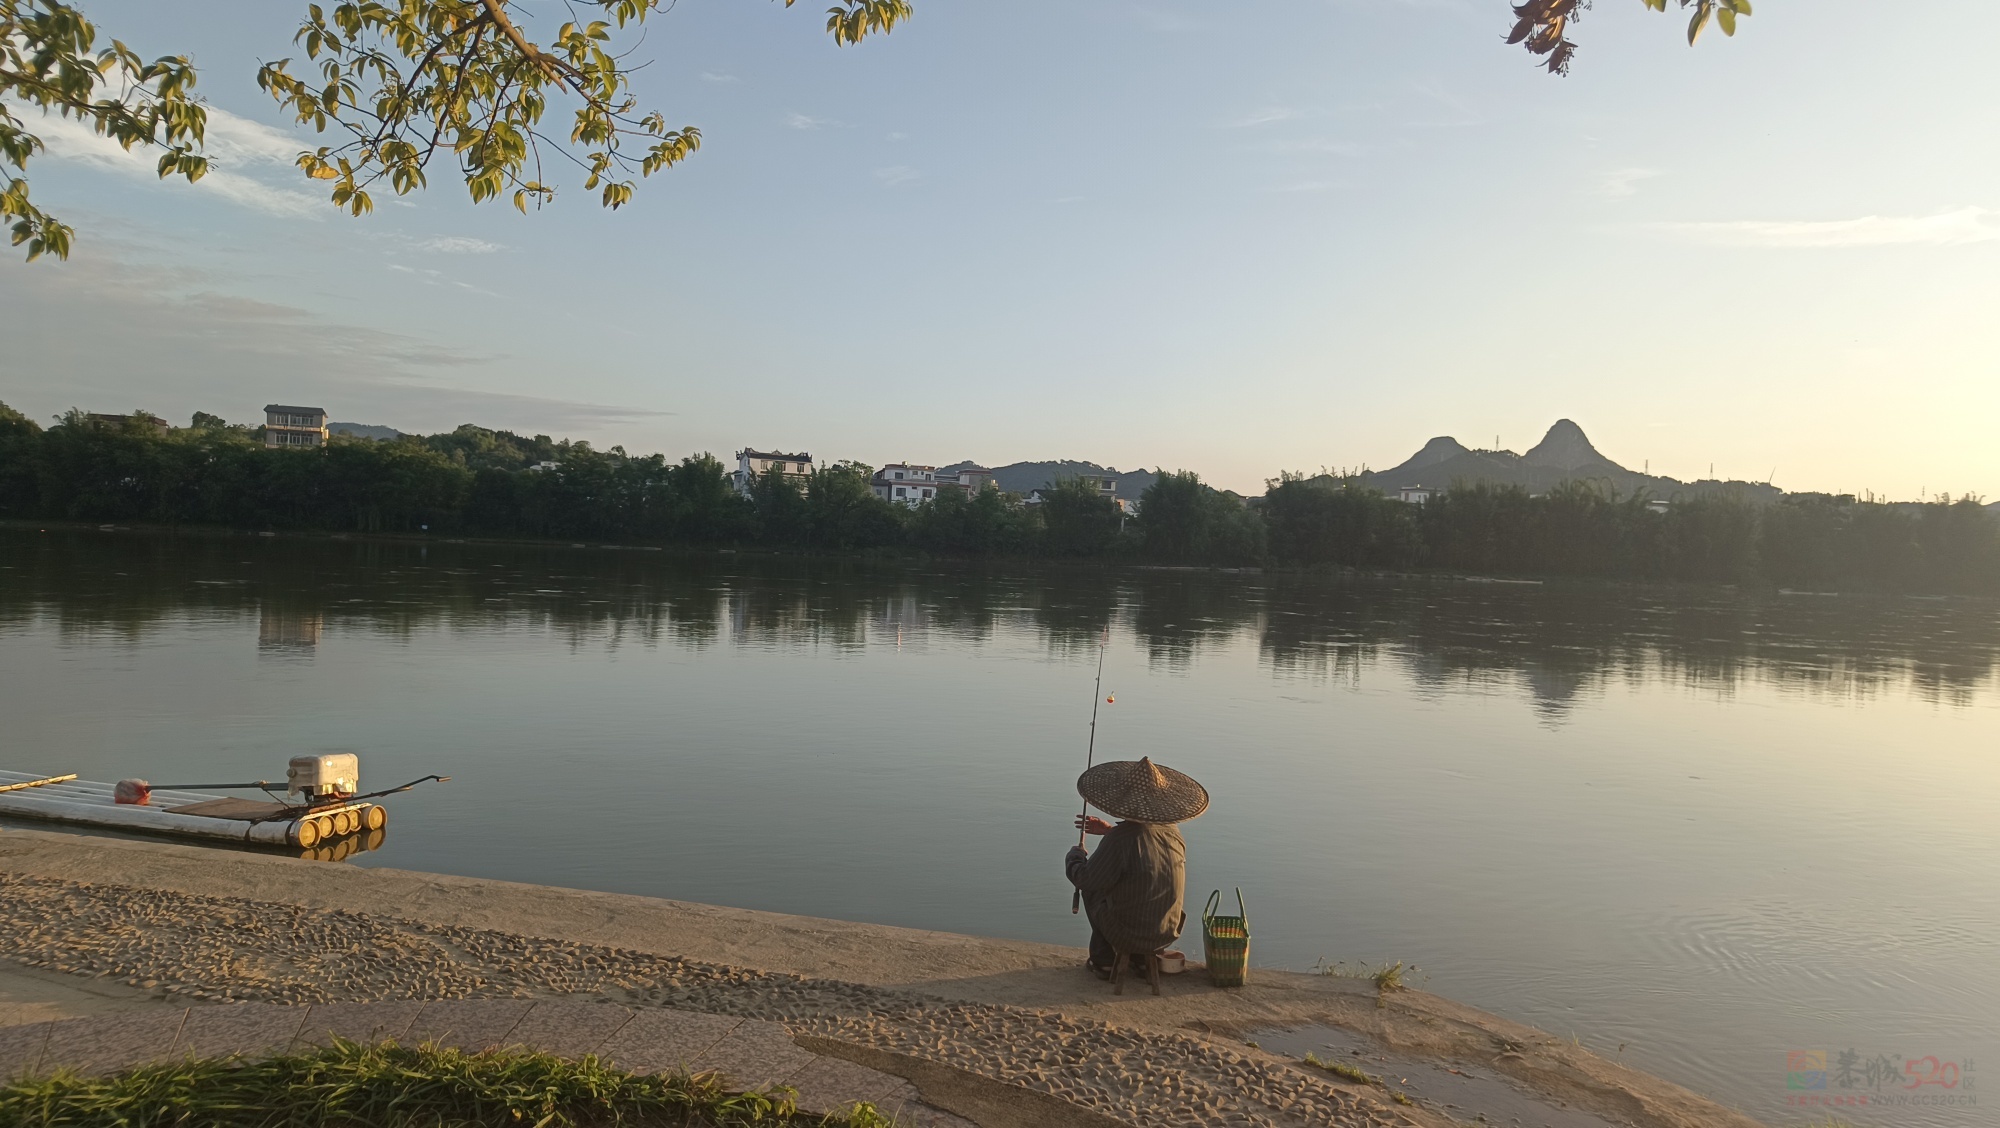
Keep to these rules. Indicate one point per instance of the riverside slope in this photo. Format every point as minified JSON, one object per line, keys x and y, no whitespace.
{"x":206,"y":925}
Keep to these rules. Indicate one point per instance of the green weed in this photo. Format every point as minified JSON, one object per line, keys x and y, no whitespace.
{"x":1389,"y":977}
{"x":392,"y":1086}
{"x":1341,"y":1069}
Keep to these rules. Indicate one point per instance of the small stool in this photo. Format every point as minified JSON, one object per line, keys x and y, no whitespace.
{"x":1119,"y":960}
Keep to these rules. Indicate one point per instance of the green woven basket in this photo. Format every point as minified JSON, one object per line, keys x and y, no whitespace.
{"x":1225,"y":941}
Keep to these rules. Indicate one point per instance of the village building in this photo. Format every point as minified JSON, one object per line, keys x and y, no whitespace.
{"x":288,"y":426}
{"x":1106,"y":486}
{"x":153,"y":421}
{"x":753,"y":464}
{"x":1416,"y":495}
{"x":906,"y":483}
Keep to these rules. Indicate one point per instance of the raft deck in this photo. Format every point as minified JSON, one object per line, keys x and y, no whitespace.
{"x":187,"y":814}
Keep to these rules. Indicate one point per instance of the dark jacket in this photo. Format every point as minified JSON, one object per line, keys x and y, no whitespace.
{"x":1132,"y":885}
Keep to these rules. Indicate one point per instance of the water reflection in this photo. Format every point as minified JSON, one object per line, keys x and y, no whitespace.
{"x":288,"y":631}
{"x":1556,"y":645}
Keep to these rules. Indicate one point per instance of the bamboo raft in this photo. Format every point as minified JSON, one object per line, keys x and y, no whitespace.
{"x":188,"y":814}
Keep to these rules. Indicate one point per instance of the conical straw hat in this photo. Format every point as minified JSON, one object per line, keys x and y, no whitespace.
{"x":1143,"y":791}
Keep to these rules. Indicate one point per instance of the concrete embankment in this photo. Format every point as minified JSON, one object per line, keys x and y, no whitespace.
{"x":92,"y":924}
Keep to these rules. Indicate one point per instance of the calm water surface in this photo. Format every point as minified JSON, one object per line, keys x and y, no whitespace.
{"x":1705,"y":827}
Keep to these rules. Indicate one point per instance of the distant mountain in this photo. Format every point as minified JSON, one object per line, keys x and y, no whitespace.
{"x":1567,"y":448}
{"x":1020,"y":477}
{"x":363,"y":431}
{"x":1564,"y":454}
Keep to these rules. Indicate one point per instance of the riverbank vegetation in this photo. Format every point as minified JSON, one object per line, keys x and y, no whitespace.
{"x":392,"y":1086}
{"x":479,"y":482}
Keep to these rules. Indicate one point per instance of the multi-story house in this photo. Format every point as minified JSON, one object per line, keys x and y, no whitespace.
{"x":288,"y":426}
{"x":908,"y":484}
{"x":905,"y":483}
{"x":753,"y":464}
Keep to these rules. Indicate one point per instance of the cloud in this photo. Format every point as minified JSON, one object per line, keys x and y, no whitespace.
{"x":230,"y":140}
{"x":1621,"y":182}
{"x":459,"y":245}
{"x":896,"y":174}
{"x":805,"y":121}
{"x":438,"y":278}
{"x":243,"y":157}
{"x":711,"y":76}
{"x":1966,"y":225}
{"x":1265,"y":116}
{"x":1313,"y":145}
{"x":161,"y":335}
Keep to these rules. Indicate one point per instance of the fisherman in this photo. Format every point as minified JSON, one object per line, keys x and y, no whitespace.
{"x":1132,"y":886}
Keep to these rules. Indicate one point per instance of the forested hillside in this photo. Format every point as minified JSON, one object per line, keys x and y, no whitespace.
{"x":474,"y":481}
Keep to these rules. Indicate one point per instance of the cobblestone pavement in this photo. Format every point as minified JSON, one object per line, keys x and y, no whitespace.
{"x":205,"y":949}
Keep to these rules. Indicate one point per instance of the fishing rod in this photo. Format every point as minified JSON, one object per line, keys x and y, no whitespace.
{"x":266,"y":785}
{"x":1090,"y":757}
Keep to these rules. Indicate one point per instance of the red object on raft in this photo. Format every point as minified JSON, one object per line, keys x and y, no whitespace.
{"x":133,"y":792}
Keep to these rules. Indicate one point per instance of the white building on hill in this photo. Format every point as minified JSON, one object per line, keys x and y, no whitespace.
{"x":752,"y":464}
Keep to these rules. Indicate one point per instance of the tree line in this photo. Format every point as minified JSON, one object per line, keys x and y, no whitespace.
{"x":479,"y":482}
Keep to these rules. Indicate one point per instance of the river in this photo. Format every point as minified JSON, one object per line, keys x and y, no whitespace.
{"x":1695,"y":829}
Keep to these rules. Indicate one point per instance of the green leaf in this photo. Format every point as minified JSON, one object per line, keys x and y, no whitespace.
{"x":1726,"y":20}
{"x":1699,"y":21}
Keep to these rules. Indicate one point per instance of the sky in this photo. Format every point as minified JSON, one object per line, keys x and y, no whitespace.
{"x":1236,"y":239}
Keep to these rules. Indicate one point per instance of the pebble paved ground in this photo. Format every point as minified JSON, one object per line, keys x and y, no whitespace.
{"x":228,"y":950}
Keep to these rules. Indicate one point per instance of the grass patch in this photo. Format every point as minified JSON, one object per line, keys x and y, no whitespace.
{"x":1343,"y":1070}
{"x":392,"y":1086}
{"x":1387,"y":978}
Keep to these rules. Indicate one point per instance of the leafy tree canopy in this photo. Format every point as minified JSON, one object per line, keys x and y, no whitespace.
{"x":393,"y":83}
{"x":1542,"y":26}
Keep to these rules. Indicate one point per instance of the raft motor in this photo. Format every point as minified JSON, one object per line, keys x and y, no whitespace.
{"x":323,"y":779}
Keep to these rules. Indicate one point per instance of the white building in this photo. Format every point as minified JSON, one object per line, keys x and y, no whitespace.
{"x":752,"y":464}
{"x":288,"y":426}
{"x":905,"y":483}
{"x":1416,"y":495}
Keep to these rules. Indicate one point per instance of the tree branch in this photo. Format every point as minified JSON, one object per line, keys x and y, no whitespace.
{"x":549,"y":64}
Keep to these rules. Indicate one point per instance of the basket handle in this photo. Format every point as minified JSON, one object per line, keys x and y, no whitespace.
{"x":1240,"y":910}
{"x":1214,"y":902}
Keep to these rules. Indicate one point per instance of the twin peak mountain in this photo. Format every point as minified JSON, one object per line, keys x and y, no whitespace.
{"x":1564,"y":454}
